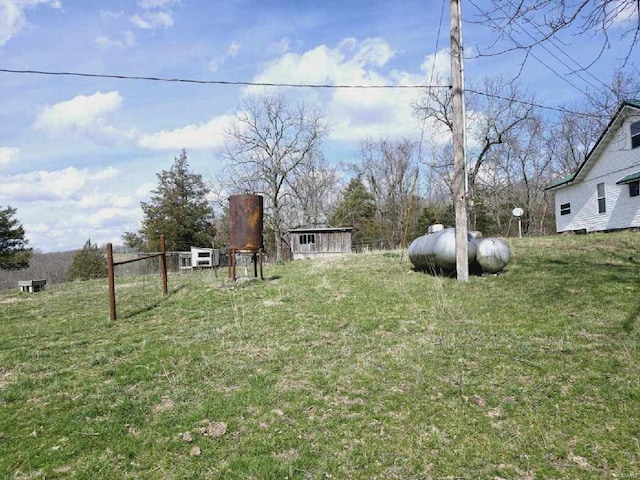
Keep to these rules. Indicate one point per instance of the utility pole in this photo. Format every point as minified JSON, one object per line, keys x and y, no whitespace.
{"x":459,"y":167}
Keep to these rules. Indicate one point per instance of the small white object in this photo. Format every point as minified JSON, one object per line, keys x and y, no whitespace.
{"x":517,"y":212}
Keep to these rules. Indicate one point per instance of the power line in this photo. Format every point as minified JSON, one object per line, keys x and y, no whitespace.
{"x":529,"y":52}
{"x":435,"y":52}
{"x":433,"y":69}
{"x":218,"y":82}
{"x":537,"y":105}
{"x":578,"y":72}
{"x":290,"y":85}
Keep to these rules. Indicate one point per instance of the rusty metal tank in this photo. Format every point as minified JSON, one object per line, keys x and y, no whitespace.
{"x":246,"y":215}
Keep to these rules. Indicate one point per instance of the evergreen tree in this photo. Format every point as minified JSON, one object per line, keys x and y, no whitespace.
{"x":357,"y":209}
{"x":88,"y":263}
{"x":431,"y":214}
{"x":14,"y":254}
{"x":178,"y":208}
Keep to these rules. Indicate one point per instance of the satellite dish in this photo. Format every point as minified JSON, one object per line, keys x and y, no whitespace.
{"x":517,"y":212}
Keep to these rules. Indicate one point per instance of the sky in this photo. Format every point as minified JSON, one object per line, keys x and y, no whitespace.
{"x":79,"y":154}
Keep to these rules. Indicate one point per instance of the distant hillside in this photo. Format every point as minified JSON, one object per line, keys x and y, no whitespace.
{"x":51,"y":267}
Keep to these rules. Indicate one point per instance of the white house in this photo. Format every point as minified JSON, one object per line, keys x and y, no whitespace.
{"x":604,"y":193}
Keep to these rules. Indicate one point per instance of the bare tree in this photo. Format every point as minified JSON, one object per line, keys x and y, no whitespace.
{"x":316,"y":188}
{"x":520,"y":169}
{"x":527,"y":23}
{"x":496,"y":112}
{"x":571,"y":137}
{"x":389,"y":169}
{"x":270,"y":142}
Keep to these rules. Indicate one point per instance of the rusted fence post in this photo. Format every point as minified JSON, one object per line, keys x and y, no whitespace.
{"x":112,"y":283}
{"x":110,"y":273}
{"x":163,"y":264}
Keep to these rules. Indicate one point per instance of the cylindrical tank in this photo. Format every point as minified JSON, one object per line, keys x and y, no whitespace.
{"x":421,"y":252}
{"x":492,"y":254}
{"x":437,"y":250}
{"x":246,"y":214}
{"x":445,"y":249}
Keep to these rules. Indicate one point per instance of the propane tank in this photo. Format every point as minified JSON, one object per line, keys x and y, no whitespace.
{"x":492,"y":254}
{"x":437,"y":250}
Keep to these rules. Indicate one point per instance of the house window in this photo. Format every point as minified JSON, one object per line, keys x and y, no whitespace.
{"x":635,"y":134}
{"x":307,"y":238}
{"x":602,"y":202}
{"x":634,"y":188}
{"x":565,"y":209}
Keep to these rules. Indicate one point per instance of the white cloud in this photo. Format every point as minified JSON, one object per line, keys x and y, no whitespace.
{"x":201,"y":136}
{"x":233,"y":49}
{"x":94,"y":199}
{"x":61,"y":209}
{"x":111,"y":216}
{"x":356,"y":113}
{"x":280,"y":47}
{"x":128,"y":40}
{"x":55,"y":185}
{"x":151,"y":4}
{"x":217,"y":62}
{"x":13,"y":18}
{"x":69,"y":232}
{"x":149,"y":20}
{"x":37,"y":228}
{"x":8,"y":155}
{"x":156,"y":13}
{"x":83,"y":116}
{"x":78,"y":112}
{"x":143,"y":190}
{"x":111,"y":14}
{"x":623,"y":12}
{"x":437,"y":66}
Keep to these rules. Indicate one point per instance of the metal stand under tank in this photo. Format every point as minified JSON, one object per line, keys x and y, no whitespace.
{"x":245,"y":232}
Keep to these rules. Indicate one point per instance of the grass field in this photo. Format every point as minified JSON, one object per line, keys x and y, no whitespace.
{"x":349,"y":368}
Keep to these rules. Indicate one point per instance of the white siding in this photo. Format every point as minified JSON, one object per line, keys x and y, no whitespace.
{"x":616,"y":161}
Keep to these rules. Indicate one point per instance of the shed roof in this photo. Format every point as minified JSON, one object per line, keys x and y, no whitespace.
{"x":320,"y":229}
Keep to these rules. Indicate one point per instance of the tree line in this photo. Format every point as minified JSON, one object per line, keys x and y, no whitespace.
{"x":393,"y":190}
{"x":397,"y":186}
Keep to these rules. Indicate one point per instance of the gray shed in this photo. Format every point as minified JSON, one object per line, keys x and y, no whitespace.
{"x":320,"y":242}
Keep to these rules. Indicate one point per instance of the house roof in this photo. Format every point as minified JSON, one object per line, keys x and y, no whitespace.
{"x":629,"y":178}
{"x":561,"y":181}
{"x":585,"y":166}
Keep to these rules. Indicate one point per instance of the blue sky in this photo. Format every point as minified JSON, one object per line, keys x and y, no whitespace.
{"x":78,"y":155}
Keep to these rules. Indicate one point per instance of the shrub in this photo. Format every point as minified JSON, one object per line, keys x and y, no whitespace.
{"x":87,"y":263}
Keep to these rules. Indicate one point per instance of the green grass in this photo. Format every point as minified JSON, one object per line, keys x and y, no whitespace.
{"x":348,"y":368}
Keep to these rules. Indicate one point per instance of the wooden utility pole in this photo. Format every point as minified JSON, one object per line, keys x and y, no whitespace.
{"x":459,"y":167}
